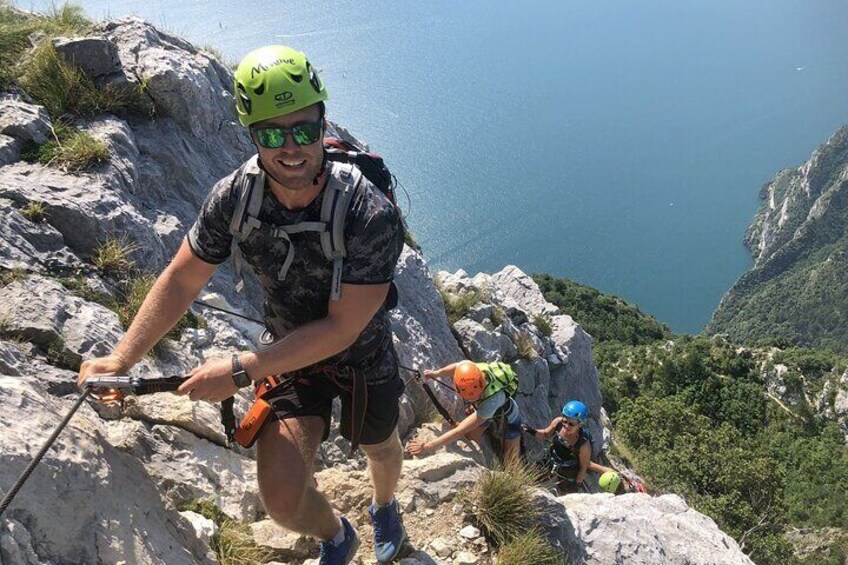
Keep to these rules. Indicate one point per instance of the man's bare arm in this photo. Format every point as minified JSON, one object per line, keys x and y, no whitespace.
{"x":168,"y":300}
{"x":318,"y":340}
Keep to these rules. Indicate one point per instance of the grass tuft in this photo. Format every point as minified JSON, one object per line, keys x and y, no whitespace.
{"x":8,"y":276}
{"x":543,"y":324}
{"x":134,"y":291}
{"x":526,"y":347}
{"x":17,"y":26}
{"x":233,"y":544}
{"x":458,"y":304}
{"x":72,"y":150}
{"x":34,"y":211}
{"x":503,"y":503}
{"x":63,"y":88}
{"x":498,"y":316}
{"x":112,"y":257}
{"x":529,"y":547}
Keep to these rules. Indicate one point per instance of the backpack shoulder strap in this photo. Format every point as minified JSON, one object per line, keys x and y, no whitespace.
{"x":343,"y":181}
{"x":250,"y":184}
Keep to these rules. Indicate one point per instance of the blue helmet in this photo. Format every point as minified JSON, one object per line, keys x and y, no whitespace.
{"x":575,"y":410}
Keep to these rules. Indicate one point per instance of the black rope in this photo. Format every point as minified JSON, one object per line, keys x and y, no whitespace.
{"x":31,"y":467}
{"x":230,"y":312}
{"x":416,"y":371}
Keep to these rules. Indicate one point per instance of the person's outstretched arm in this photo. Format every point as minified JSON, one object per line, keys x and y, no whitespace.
{"x":418,"y":447}
{"x":445,"y":371}
{"x":166,"y":302}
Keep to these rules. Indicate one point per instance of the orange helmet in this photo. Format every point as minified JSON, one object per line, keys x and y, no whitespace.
{"x":469,"y":381}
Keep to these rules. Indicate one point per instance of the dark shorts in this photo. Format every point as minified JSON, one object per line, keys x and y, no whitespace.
{"x":313,"y":394}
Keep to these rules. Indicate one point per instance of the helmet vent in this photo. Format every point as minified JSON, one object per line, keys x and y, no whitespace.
{"x":260,"y":90}
{"x":314,"y":80}
{"x":297,"y":78}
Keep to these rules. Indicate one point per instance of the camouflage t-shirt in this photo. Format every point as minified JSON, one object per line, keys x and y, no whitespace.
{"x":373,"y":242}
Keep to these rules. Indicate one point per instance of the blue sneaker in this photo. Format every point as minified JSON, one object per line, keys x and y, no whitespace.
{"x":389,"y":533}
{"x":343,"y":553}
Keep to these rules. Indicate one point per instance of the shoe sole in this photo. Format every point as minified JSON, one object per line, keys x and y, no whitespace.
{"x":353,"y":549}
{"x":403,"y":543}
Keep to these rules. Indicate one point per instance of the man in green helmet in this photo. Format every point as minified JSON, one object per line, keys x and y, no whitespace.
{"x":331,"y":329}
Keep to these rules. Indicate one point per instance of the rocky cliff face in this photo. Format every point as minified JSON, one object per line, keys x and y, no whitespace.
{"x":109,"y":489}
{"x":796,"y":293}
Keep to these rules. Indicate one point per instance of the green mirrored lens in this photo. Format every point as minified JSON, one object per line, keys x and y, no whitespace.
{"x":275,"y":137}
{"x":271,"y":138}
{"x":306,"y":134}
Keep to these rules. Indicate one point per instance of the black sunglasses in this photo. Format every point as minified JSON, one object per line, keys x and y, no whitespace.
{"x":274,"y":137}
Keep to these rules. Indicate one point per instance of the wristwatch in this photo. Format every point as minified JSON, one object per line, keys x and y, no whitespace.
{"x":240,"y":376}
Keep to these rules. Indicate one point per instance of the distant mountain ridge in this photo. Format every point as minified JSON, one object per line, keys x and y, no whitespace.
{"x":797,"y":291}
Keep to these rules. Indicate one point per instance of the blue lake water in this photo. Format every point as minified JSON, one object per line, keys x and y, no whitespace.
{"x":620,"y":144}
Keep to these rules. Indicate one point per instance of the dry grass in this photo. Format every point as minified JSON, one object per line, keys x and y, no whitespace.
{"x":529,"y":547}
{"x":458,"y":304}
{"x":8,"y":276}
{"x":34,"y":211}
{"x":72,"y":150}
{"x":112,"y":257}
{"x":498,"y":316}
{"x":233,"y":544}
{"x":525,"y":345}
{"x":503,"y":503}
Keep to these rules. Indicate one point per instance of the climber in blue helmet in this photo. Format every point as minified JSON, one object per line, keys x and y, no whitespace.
{"x":570,"y":452}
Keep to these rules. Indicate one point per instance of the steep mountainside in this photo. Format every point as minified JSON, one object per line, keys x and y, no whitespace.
{"x":101,"y":172}
{"x":797,"y":291}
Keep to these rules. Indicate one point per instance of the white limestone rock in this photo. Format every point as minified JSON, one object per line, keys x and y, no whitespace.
{"x":22,"y":120}
{"x":99,"y":487}
{"x":638,"y":529}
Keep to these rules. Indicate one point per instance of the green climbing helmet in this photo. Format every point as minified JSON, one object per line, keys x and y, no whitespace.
{"x":275,"y":80}
{"x":610,"y":481}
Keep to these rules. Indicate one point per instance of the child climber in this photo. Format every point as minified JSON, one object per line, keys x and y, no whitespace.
{"x":489,"y":389}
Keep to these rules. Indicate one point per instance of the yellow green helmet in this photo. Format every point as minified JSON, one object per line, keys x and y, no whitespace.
{"x":275,"y":80}
{"x":610,"y":481}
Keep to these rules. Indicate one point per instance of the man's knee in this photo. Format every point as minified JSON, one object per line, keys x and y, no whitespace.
{"x":285,"y":452}
{"x":387,"y":450}
{"x":284,"y":502}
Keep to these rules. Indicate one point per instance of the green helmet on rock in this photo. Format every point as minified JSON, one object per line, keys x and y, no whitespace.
{"x":610,"y":481}
{"x":275,"y":80}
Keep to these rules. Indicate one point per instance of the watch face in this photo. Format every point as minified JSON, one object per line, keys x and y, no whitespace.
{"x":241,"y":379}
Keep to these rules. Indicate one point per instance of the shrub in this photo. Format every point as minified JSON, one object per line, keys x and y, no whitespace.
{"x":503,"y":503}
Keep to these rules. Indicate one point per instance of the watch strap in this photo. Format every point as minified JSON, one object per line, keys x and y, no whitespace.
{"x":240,"y":376}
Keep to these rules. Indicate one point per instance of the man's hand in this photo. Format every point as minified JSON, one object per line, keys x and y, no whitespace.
{"x":429,"y":374}
{"x":212,"y":381}
{"x":417,"y":447}
{"x":109,"y":365}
